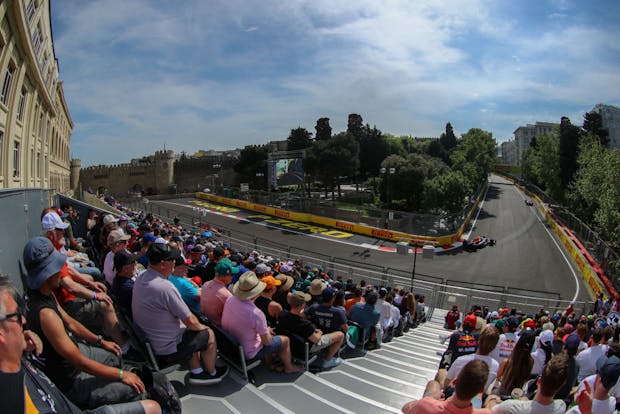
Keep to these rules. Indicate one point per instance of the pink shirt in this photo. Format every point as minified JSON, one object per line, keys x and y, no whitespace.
{"x":213,"y":296}
{"x":429,"y":405}
{"x":243,"y":320}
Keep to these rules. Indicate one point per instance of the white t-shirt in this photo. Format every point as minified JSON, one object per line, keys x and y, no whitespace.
{"x":587,"y":360}
{"x":461,"y":361}
{"x":108,"y":268}
{"x":529,"y":407}
{"x":504,"y":347}
{"x":598,"y":407}
{"x":615,"y":390}
{"x":539,"y":361}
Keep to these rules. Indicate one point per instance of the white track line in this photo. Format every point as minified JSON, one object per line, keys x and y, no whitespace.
{"x":478,"y":213}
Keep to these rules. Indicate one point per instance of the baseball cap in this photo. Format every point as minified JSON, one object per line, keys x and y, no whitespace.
{"x":546,"y":337}
{"x":109,"y":218}
{"x":123,"y":258}
{"x":148,"y":237}
{"x":609,"y":370}
{"x":512,"y":322}
{"x":158,"y":252}
{"x":117,"y":236}
{"x":226,"y":267}
{"x":470,"y":321}
{"x":262,"y":268}
{"x":327,"y":294}
{"x":52,"y":220}
{"x":271,"y":281}
{"x":571,"y":344}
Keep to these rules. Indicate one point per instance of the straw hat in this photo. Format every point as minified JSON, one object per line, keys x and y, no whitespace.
{"x":316,"y":287}
{"x":248,"y":286}
{"x":287,"y":281}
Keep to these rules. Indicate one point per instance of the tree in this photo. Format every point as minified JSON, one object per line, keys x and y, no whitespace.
{"x":593,"y":124}
{"x":252,"y":160}
{"x":447,"y":192}
{"x":596,"y":188}
{"x":355,"y":126}
{"x":569,"y":150}
{"x":373,"y":150}
{"x":475,"y":155}
{"x":541,"y":165}
{"x":329,"y":160}
{"x":323,"y":129}
{"x":435,"y":149}
{"x":299,"y":138}
{"x":447,"y":139}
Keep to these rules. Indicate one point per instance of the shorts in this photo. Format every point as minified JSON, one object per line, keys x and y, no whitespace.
{"x":87,"y":312}
{"x":325,"y":341}
{"x":191,"y":342}
{"x":274,"y":346}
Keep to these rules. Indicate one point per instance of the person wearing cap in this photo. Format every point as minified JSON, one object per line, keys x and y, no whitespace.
{"x":109,"y":223}
{"x":33,"y":391}
{"x":122,"y":224}
{"x":460,"y":343}
{"x":451,"y":317}
{"x":587,"y":359}
{"x":82,"y":297}
{"x":325,"y":316}
{"x":265,"y":301}
{"x":214,"y":293}
{"x":189,"y":291}
{"x":507,"y":340}
{"x":122,"y":287}
{"x":547,"y":385}
{"x":286,"y":283}
{"x":117,"y":240}
{"x":293,"y":322}
{"x":356,"y":297}
{"x":158,"y":309}
{"x":571,"y":346}
{"x":263,"y":270}
{"x":597,"y":395}
{"x":242,"y":319}
{"x":88,"y":373}
{"x":206,"y":271}
{"x":543,"y":352}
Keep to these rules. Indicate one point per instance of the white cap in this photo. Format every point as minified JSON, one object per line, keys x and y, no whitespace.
{"x":109,"y":218}
{"x":52,"y":220}
{"x":546,"y":337}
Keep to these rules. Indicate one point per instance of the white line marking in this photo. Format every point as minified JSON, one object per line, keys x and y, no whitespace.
{"x":478,"y":213}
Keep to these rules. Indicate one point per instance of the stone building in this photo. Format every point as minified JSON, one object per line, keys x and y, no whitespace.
{"x":509,"y":152}
{"x":524,"y":134}
{"x":610,"y":117}
{"x":35,"y":124}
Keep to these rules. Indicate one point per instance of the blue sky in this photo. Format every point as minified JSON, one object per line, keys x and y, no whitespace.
{"x":196,"y":74}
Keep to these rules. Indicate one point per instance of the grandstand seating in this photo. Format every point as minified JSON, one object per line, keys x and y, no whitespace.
{"x":379,"y":381}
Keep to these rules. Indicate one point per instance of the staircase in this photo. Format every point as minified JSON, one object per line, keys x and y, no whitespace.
{"x":378,"y":381}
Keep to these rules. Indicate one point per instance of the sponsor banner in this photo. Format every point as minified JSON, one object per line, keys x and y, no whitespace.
{"x":301,"y":227}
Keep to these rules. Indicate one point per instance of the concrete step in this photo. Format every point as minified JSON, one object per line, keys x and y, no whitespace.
{"x":411,"y":375}
{"x":421,"y":360}
{"x":406,"y":387}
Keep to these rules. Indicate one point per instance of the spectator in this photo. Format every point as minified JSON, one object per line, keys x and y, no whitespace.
{"x":217,"y":254}
{"x":117,"y":241}
{"x":35,"y":390}
{"x":461,"y":343}
{"x":356,"y":298}
{"x":587,"y":359}
{"x":451,"y":317}
{"x":266,"y":304}
{"x":283,"y":290}
{"x":292,"y":322}
{"x":367,"y":317}
{"x":316,"y":288}
{"x":325,"y":316}
{"x":214,"y":293}
{"x":547,"y":385}
{"x":602,"y":400}
{"x":488,"y":341}
{"x":248,"y":324}
{"x":543,"y":352}
{"x":158,"y":309}
{"x":385,"y":310}
{"x":469,"y":383}
{"x":507,"y":340}
{"x":514,"y":371}
{"x":90,"y":376}
{"x":125,"y":267}
{"x":571,"y":345}
{"x":189,"y":290}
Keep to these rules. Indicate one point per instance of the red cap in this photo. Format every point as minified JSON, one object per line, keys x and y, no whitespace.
{"x":470,"y":321}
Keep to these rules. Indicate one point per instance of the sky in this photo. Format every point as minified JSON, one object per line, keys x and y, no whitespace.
{"x":222,"y":74}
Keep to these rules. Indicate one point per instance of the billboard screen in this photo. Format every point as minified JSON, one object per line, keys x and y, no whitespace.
{"x":288,"y":171}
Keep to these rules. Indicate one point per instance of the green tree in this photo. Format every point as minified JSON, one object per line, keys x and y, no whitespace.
{"x":299,"y":138}
{"x":355,"y":126}
{"x":447,"y":192}
{"x":373,"y":150}
{"x":252,"y":160}
{"x":475,"y":155}
{"x":541,"y":165}
{"x":593,"y":124}
{"x":323,"y":129}
{"x":447,"y":139}
{"x":596,"y":187}
{"x":568,"y":151}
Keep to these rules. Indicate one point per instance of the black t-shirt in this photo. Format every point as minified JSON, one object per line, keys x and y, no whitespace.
{"x":295,"y":324}
{"x":41,"y":392}
{"x":56,"y":367}
{"x":462,"y":343}
{"x":122,"y":287}
{"x":262,"y":303}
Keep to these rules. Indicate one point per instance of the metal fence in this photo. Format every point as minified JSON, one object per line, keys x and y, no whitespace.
{"x":605,"y":256}
{"x":21,"y":221}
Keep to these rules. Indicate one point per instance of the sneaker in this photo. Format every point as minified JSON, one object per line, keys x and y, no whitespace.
{"x":334,"y":362}
{"x":204,"y":378}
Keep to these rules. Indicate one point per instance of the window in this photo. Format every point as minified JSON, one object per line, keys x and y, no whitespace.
{"x":41,"y":124}
{"x":38,"y":164}
{"x":1,"y":151}
{"x":21,"y":104}
{"x":36,"y":40}
{"x":16,"y":159}
{"x":6,"y":87}
{"x":46,"y":60}
{"x":31,"y":162}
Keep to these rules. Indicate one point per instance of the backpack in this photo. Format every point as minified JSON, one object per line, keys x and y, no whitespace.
{"x":159,"y":388}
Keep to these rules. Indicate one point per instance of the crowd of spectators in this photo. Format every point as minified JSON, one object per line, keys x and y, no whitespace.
{"x":548,"y":362}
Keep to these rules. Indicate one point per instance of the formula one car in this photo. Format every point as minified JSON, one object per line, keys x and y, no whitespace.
{"x":478,"y":243}
{"x":529,"y":202}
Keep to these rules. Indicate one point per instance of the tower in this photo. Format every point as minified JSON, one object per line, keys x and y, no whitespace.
{"x":75,"y":167}
{"x":164,"y":170}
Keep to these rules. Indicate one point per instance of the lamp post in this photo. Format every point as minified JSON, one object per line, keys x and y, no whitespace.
{"x":415,"y":259}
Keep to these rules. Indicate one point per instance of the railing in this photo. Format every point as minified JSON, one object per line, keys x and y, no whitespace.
{"x":440,"y":291}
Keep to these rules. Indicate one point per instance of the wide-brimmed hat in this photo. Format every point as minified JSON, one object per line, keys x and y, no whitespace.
{"x":271,"y":281}
{"x":248,"y":286}
{"x":42,"y":261}
{"x":117,"y":236}
{"x":316,"y":287}
{"x":298,"y":298}
{"x":287,"y":281}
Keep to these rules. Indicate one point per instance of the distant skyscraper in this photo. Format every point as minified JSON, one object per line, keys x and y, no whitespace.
{"x":524,"y":134}
{"x":610,"y":117}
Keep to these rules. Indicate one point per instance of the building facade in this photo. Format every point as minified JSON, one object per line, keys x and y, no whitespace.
{"x":35,"y":124}
{"x":524,"y":134}
{"x":509,"y":152}
{"x":610,"y":117}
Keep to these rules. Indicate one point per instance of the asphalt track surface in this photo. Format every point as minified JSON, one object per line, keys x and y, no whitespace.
{"x":527,"y":255}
